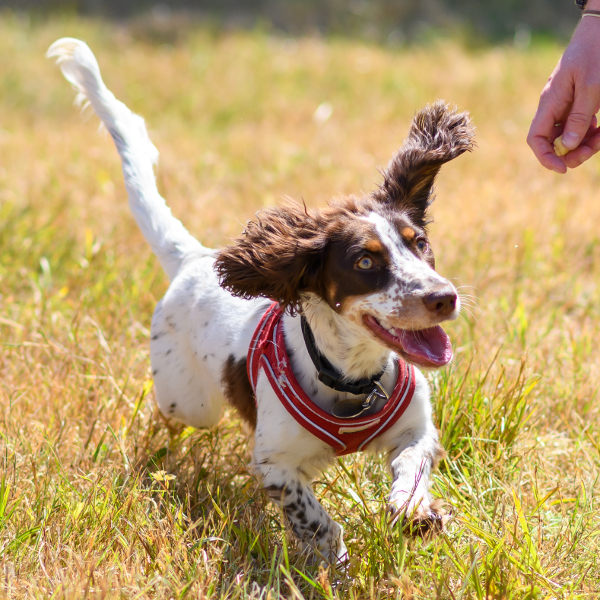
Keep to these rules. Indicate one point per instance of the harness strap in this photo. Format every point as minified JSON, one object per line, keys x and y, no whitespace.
{"x":267,"y":353}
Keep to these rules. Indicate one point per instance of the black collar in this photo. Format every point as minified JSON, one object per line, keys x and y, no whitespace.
{"x":331,"y":377}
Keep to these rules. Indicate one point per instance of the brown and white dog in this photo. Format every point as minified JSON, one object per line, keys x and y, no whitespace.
{"x":360,"y":272}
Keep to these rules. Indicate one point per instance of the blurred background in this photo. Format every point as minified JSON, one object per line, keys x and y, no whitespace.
{"x":248,"y":102}
{"x":391,"y":21}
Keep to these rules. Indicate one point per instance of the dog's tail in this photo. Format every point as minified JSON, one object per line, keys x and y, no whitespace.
{"x":169,"y":239}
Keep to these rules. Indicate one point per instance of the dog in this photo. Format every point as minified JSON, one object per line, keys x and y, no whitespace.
{"x":312,"y":323}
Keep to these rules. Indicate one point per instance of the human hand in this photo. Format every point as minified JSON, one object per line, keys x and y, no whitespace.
{"x":569,"y":102}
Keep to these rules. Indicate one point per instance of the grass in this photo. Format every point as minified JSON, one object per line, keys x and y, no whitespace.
{"x":100,"y":499}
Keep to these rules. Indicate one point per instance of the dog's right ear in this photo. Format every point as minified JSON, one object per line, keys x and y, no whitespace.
{"x":437,"y":135}
{"x":278,"y":256}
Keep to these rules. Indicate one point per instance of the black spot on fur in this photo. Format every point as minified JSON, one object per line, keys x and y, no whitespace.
{"x":315,"y":526}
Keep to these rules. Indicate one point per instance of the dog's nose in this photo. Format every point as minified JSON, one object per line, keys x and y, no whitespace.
{"x":441,"y":302}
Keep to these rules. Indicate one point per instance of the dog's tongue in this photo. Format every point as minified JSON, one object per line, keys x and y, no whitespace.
{"x":426,"y":347}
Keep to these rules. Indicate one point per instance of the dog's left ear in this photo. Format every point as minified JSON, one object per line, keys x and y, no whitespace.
{"x":437,"y":135}
{"x":278,"y":256}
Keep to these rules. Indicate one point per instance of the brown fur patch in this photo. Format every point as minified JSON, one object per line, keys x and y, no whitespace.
{"x":238,"y":390}
{"x":278,"y":255}
{"x":437,"y":135}
{"x":374,"y":246}
{"x":340,"y":274}
{"x":289,"y":250}
{"x":409,"y":234}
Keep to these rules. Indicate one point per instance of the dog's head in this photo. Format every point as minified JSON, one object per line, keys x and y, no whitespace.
{"x":368,"y":258}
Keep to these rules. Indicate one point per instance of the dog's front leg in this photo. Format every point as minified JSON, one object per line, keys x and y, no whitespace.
{"x":307,"y":518}
{"x":287,"y":458}
{"x":411,"y":464}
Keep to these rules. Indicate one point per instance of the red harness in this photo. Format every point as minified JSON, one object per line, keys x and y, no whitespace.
{"x":267,"y":352}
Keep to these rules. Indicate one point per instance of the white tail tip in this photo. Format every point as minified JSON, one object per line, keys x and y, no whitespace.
{"x":78,"y":64}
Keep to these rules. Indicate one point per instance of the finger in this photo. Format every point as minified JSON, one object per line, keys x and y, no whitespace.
{"x":556,"y":132}
{"x":594,"y":142}
{"x":585,"y":151}
{"x":559,"y":130}
{"x":550,"y":111}
{"x":578,"y":156}
{"x":544,"y":152}
{"x":591,"y":132}
{"x":579,"y":119}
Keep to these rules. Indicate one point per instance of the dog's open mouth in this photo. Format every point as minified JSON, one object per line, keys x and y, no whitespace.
{"x":426,"y":347}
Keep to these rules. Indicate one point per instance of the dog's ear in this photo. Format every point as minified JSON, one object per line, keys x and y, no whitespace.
{"x":278,"y":256}
{"x":437,"y":135}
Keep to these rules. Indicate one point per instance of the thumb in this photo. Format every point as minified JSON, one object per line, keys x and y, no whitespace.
{"x":579,"y":119}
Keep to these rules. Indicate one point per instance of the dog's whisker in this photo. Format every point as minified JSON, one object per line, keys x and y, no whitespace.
{"x":469,"y":302}
{"x":466,"y":311}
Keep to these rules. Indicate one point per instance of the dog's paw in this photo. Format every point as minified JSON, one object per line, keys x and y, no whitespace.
{"x":426,"y":520}
{"x":326,"y":546}
{"x":332,"y":548}
{"x":422,"y":521}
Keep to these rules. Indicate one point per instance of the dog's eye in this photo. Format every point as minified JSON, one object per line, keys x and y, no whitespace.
{"x":422,"y":245}
{"x":365,"y":263}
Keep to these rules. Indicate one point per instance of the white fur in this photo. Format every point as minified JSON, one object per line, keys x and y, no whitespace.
{"x":197,"y":326}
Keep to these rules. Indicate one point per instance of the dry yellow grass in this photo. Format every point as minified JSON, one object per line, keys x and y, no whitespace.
{"x":84,"y":508}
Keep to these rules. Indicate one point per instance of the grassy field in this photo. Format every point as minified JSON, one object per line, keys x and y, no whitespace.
{"x":100,"y":499}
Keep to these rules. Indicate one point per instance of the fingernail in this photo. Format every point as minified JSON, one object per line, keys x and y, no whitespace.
{"x":597,"y":147}
{"x":557,"y":170}
{"x":584,"y":158}
{"x":570,"y":140}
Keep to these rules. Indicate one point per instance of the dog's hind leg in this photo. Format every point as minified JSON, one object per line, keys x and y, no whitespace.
{"x":185,"y":386}
{"x":169,"y":239}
